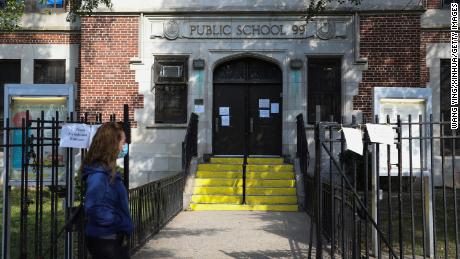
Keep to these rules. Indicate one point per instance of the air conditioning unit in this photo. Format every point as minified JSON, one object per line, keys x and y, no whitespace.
{"x":171,"y":71}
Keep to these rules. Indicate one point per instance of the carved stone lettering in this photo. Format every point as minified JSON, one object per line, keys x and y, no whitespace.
{"x":325,"y":29}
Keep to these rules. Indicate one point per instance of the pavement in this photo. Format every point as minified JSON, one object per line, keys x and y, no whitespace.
{"x":231,"y":234}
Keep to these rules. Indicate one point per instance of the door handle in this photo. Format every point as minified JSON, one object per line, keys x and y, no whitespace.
{"x":216,"y":125}
{"x":251,"y":125}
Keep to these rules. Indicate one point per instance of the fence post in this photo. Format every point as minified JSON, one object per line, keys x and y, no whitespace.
{"x":374,"y":197}
{"x":429,"y":228}
{"x":6,"y":207}
{"x":127,"y":128}
{"x":318,"y":194}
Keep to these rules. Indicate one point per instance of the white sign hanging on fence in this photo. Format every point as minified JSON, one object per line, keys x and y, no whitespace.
{"x":75,"y":135}
{"x":380,"y":133}
{"x":354,"y":139}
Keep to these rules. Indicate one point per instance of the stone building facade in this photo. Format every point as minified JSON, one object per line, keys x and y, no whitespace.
{"x":235,"y":63}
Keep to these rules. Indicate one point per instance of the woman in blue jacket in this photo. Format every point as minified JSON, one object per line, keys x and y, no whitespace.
{"x":108,"y":220}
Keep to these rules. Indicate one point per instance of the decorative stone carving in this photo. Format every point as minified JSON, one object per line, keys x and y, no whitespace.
{"x":171,"y":29}
{"x":325,"y":29}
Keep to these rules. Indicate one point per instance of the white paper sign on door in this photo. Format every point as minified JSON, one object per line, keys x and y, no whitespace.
{"x":75,"y":135}
{"x":224,"y":110}
{"x":381,"y":133}
{"x":264,"y":113}
{"x":225,"y":120}
{"x":354,"y":139}
{"x":275,"y":107}
{"x":264,"y":103}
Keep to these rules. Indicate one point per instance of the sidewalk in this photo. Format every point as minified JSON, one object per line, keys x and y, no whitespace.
{"x":231,"y":234}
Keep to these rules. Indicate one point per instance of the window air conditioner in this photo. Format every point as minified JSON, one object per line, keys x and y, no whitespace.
{"x":171,"y":71}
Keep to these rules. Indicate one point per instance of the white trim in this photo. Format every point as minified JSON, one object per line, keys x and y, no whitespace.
{"x":28,"y":52}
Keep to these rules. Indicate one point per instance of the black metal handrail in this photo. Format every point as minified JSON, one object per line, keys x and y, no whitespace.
{"x":302,"y":149}
{"x":190,"y":143}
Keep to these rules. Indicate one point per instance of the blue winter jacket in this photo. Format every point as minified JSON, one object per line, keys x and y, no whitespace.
{"x":106,"y":203}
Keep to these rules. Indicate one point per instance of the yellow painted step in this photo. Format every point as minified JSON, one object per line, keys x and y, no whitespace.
{"x":270,"y":168}
{"x":251,"y":160}
{"x":227,"y":160}
{"x":266,"y":160}
{"x":218,"y":182}
{"x":270,"y":191}
{"x":200,"y":206}
{"x":219,"y":167}
{"x":211,"y":174}
{"x":228,"y":199}
{"x":271,"y":199}
{"x":270,"y":175}
{"x":219,"y":190}
{"x":269,"y":183}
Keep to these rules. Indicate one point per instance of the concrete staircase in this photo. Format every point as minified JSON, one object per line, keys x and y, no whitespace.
{"x":270,"y":185}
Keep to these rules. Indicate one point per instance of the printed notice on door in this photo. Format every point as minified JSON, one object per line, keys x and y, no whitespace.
{"x":224,"y":110}
{"x":264,"y":103}
{"x":225,"y":120}
{"x":275,"y":108}
{"x":264,"y":113}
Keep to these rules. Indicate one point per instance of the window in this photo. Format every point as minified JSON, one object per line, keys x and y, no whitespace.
{"x":446,"y":3}
{"x":49,"y":71}
{"x":445,"y":107}
{"x":38,"y":6}
{"x":10,"y":73}
{"x":170,"y":78}
{"x":324,"y":89}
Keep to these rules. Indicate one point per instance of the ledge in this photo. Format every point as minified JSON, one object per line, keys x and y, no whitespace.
{"x":167,"y":126}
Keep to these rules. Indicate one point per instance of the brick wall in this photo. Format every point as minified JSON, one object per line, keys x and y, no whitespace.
{"x":107,"y":45}
{"x":430,"y":36}
{"x":391,"y":43}
{"x":433,"y":4}
{"x":27,"y":37}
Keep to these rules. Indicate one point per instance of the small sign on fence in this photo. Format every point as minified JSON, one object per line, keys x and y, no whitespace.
{"x":77,"y":135}
{"x":380,"y":133}
{"x":354,"y":139}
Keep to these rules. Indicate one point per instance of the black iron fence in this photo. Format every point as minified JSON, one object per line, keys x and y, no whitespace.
{"x":43,"y":192}
{"x":153,"y":205}
{"x":393,"y":201}
{"x":39,"y":193}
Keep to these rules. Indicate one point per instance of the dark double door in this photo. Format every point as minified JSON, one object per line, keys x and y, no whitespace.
{"x":247,"y":108}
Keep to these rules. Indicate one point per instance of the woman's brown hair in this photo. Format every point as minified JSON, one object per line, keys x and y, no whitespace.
{"x":104,"y":147}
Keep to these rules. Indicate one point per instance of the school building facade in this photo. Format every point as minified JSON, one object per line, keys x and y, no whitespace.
{"x":240,"y":65}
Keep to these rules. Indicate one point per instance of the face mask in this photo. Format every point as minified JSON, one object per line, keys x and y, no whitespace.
{"x":124,"y":151}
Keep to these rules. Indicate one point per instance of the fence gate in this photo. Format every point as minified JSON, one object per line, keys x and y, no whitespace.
{"x":394,"y":201}
{"x":41,"y":190}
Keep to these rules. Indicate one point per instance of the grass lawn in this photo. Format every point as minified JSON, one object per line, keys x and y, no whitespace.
{"x":33,"y":237}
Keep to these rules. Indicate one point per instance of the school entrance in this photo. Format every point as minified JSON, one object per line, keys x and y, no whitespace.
{"x":247,"y":108}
